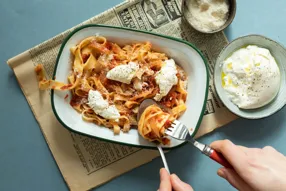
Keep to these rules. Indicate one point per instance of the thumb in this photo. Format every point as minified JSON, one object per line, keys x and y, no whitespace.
{"x":234,"y":179}
{"x":165,"y":183}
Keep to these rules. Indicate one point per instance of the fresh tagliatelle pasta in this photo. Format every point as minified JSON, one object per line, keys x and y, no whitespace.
{"x":153,"y":123}
{"x":108,"y":82}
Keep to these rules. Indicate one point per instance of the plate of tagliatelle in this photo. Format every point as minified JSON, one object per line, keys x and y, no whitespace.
{"x":103,"y":74}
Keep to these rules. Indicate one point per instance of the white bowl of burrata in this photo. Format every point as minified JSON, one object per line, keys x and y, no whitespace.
{"x":250,"y":76}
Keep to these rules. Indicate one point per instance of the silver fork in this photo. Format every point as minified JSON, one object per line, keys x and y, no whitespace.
{"x":179,"y":131}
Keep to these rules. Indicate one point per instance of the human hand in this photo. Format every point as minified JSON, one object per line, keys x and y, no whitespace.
{"x":254,"y":169}
{"x":172,"y":182}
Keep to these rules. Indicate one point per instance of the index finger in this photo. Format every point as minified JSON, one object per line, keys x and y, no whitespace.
{"x":233,"y":154}
{"x":165,"y":184}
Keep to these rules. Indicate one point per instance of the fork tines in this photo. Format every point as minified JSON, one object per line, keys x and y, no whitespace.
{"x":172,"y":127}
{"x":177,"y":130}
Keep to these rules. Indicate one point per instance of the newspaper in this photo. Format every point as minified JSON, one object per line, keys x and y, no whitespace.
{"x":87,"y":162}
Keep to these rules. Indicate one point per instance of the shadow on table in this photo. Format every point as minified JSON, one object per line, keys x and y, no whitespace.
{"x":179,"y":159}
{"x":254,"y":132}
{"x":228,"y":33}
{"x":13,"y":82}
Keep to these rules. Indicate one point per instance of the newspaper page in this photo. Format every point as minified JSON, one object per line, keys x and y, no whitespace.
{"x":87,"y":162}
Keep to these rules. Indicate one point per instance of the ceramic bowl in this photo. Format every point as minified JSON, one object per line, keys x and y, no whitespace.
{"x":231,"y":16}
{"x":277,"y":51}
{"x":185,"y":54}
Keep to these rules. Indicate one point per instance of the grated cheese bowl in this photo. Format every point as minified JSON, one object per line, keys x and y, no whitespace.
{"x":188,"y":17}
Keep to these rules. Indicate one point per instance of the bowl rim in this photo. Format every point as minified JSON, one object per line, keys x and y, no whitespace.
{"x":215,"y":84}
{"x":139,"y":31}
{"x":229,"y":20}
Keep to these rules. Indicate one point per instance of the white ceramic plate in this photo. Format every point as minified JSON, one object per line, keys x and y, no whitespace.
{"x":184,"y":53}
{"x":277,"y":51}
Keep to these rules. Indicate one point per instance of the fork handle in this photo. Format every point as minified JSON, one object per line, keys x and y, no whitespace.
{"x":216,"y":156}
{"x":163,"y":158}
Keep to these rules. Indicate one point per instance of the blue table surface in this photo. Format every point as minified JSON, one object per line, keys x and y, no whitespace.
{"x":25,"y":159}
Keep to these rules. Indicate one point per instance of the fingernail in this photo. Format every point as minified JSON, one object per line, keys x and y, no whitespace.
{"x":161,"y":170}
{"x":220,"y":172}
{"x":175,"y":177}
